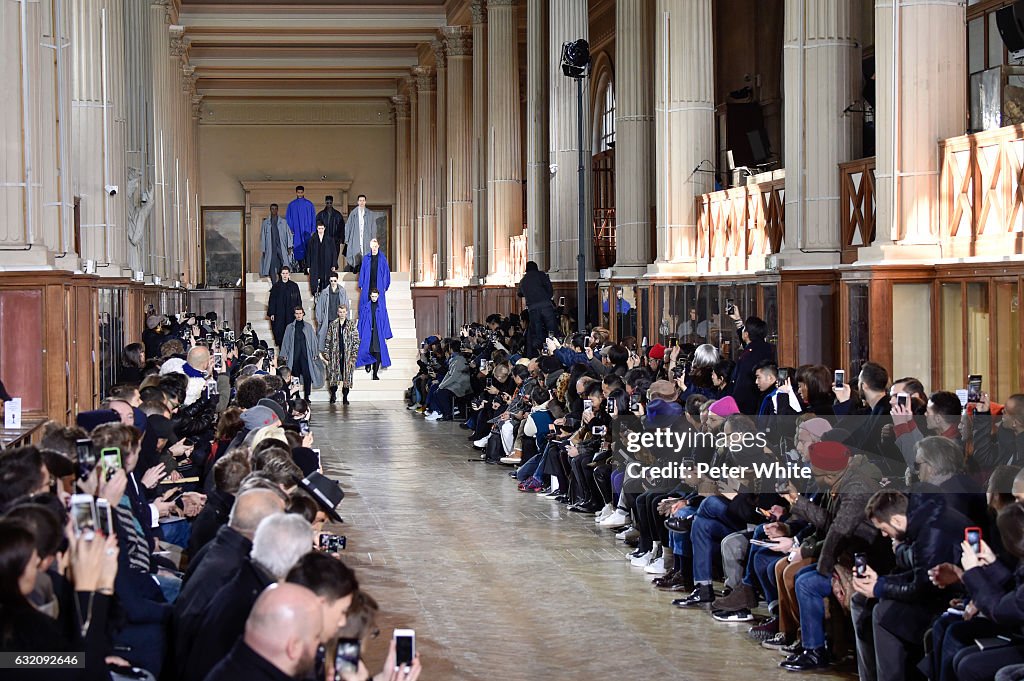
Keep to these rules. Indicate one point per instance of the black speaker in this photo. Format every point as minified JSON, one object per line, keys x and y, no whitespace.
{"x":1010,"y":21}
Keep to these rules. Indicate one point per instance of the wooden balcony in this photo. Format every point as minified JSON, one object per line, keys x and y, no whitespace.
{"x":738,"y":227}
{"x":981,"y":193}
{"x":857,"y":197}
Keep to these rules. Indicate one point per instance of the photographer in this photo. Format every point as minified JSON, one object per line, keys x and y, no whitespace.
{"x":454,"y":385}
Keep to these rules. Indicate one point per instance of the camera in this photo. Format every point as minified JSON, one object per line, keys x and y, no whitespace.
{"x":332,"y":543}
{"x":110,"y":189}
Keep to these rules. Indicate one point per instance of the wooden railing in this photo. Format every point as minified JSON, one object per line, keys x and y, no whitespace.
{"x":604,"y":237}
{"x":857,"y":201}
{"x":738,"y":227}
{"x":981,"y":193}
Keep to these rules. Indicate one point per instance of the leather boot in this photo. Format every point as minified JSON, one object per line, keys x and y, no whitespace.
{"x":334,"y":393}
{"x":344,"y":395}
{"x":376,"y":367}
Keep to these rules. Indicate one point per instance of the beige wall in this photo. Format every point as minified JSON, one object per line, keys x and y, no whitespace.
{"x":231,"y":152}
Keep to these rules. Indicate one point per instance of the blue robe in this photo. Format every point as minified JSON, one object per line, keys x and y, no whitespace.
{"x":301,"y":217}
{"x":383,"y":282}
{"x":383,"y":321}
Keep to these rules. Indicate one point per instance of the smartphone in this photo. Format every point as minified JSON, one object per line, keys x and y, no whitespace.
{"x":839,"y":379}
{"x":673,"y":341}
{"x":783,"y":377}
{"x":104,"y":517}
{"x":490,"y":382}
{"x":83,"y":515}
{"x":974,"y":388}
{"x":599,"y":430}
{"x":332,"y":543}
{"x":484,"y":366}
{"x":972,"y":535}
{"x":190,"y":442}
{"x":405,"y":647}
{"x":643,"y":343}
{"x":634,"y":402}
{"x":860,"y":564}
{"x":304,"y":427}
{"x":319,"y":463}
{"x":346,"y":660}
{"x":610,"y":407}
{"x":295,"y":382}
{"x":270,"y":354}
{"x":561,"y":301}
{"x":902,"y":399}
{"x":111,"y":457}
{"x":730,"y":308}
{"x":588,"y":404}
{"x":218,"y":362}
{"x":86,"y":458}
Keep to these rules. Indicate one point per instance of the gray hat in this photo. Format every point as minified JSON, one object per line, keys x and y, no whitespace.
{"x":258,"y":417}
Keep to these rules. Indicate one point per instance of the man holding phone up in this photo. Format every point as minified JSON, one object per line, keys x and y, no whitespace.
{"x":535,"y":288}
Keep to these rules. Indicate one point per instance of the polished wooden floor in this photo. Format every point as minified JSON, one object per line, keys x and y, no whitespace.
{"x":500,"y":585}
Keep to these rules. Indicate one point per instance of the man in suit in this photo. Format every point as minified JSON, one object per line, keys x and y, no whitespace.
{"x":334,"y":224}
{"x":360,"y":229}
{"x":275,"y":245}
{"x":321,"y":255}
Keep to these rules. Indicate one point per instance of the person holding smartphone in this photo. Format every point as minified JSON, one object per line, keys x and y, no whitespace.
{"x":535,"y":288}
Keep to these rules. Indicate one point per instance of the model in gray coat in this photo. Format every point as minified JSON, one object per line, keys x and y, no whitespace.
{"x":327,"y":313}
{"x":357,"y":241}
{"x":271,"y":260}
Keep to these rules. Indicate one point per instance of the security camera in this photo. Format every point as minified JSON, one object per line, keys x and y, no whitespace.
{"x":553,"y":168}
{"x":111,"y":189}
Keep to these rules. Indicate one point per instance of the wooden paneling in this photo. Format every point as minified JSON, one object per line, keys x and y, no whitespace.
{"x":857,"y":199}
{"x":429,"y":307}
{"x":228,"y":303}
{"x":21,"y":354}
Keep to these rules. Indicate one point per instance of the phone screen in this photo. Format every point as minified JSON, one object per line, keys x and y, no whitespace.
{"x":587,"y":404}
{"x":405,"y":647}
{"x":83,"y":515}
{"x":973,"y":536}
{"x":86,"y":457}
{"x":347,"y":658}
{"x":840,"y":378}
{"x":974,"y":388}
{"x":111,"y":461}
{"x":860,"y":564}
{"x":104,"y":517}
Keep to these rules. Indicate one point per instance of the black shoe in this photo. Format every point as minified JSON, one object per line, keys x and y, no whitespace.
{"x":635,"y":543}
{"x":699,"y":597}
{"x":344,"y":396}
{"x":808,"y":660}
{"x":680,"y":524}
{"x":368,"y":368}
{"x":334,"y":395}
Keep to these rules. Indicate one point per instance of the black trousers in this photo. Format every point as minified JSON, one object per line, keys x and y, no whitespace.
{"x":646,"y":519}
{"x":603,"y":480}
{"x":301,"y":368}
{"x":542,"y":322}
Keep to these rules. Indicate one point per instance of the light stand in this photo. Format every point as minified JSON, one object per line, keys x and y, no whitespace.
{"x":575,"y":63}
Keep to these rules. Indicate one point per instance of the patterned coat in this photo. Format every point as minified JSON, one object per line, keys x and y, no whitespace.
{"x":336,"y":373}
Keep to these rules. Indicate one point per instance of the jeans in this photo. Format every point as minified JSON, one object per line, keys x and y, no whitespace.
{"x":680,"y":541}
{"x":761,"y":568}
{"x":177,"y":533}
{"x":442,"y":402}
{"x":708,"y":530}
{"x":169,"y":585}
{"x":530,"y":468}
{"x":811,"y":590}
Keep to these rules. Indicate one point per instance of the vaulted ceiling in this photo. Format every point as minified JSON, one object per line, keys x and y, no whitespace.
{"x":310,"y":49}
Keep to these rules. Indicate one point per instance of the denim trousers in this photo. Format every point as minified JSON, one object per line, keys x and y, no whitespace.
{"x":709,"y":528}
{"x":811,"y":590}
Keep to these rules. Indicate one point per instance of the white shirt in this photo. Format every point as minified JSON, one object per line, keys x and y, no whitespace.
{"x":362,"y":213}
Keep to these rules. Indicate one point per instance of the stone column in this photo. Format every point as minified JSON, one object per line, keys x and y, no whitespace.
{"x":459,"y":193}
{"x":138,"y":154}
{"x":426,"y":159}
{"x":35,"y":196}
{"x":403,"y":204}
{"x":684,"y":130}
{"x":504,"y":151}
{"x":538,"y":176}
{"x":412,"y":180}
{"x":479,"y":159}
{"x":442,"y":247}
{"x":568,"y":21}
{"x":159,"y":237}
{"x":634,"y":129}
{"x":920,"y":62}
{"x":822,"y":77}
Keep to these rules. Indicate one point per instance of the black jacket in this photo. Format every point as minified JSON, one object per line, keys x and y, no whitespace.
{"x":744,"y":390}
{"x":865,"y":427}
{"x":998,"y":593}
{"x":209,"y":521}
{"x":1006,"y":449}
{"x":245,"y":663}
{"x":224,"y":621}
{"x":535,"y":287}
{"x":934,"y":530}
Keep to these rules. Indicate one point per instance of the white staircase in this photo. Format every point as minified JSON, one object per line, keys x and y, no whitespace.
{"x":402,"y":347}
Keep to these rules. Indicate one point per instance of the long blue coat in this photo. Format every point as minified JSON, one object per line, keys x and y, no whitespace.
{"x":366,"y":333}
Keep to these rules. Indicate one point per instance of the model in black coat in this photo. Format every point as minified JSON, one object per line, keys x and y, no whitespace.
{"x":284,"y":298}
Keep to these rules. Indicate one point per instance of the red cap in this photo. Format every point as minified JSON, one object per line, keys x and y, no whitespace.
{"x":657,"y":351}
{"x":829,"y":456}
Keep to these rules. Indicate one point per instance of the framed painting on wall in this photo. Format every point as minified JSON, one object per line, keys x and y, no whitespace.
{"x":223,"y":238}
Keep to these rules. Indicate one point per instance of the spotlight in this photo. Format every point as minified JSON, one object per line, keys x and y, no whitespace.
{"x":576,"y":58}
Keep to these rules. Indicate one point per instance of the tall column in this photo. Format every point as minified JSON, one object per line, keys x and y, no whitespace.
{"x":634,"y":129}
{"x":426,"y":160}
{"x":568,"y":21}
{"x":459,"y":193}
{"x":403,"y":203}
{"x":413,"y":180}
{"x":480,"y":137}
{"x":921,"y":98}
{"x":138,"y":153}
{"x":440,"y":158}
{"x":504,"y":151}
{"x":821,"y":59}
{"x":35,"y":195}
{"x":684,"y":131}
{"x":159,"y":236}
{"x":538,"y":176}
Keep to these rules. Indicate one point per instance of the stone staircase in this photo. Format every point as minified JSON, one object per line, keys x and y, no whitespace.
{"x":403,"y":346}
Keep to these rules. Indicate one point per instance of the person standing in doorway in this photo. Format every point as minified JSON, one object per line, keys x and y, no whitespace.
{"x":360,"y":229}
{"x":301,"y":217}
{"x":374,"y":331}
{"x":339,"y":351}
{"x":300,"y":349}
{"x":334,"y":225}
{"x":275,"y":245}
{"x":535,"y":288}
{"x":284,"y":298}
{"x":320,"y":252}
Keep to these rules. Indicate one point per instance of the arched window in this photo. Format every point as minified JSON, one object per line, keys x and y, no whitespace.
{"x":606,"y":117}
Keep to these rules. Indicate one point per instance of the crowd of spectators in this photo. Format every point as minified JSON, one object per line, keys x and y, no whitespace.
{"x":185,"y":529}
{"x":859,"y":520}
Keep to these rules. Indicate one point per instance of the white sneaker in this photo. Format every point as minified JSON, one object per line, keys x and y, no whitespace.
{"x":413,"y":407}
{"x":656,"y":567}
{"x":482,"y":442}
{"x":511,"y":460}
{"x":433,"y":416}
{"x":628,"y":533}
{"x":605,"y":512}
{"x":644,"y":560}
{"x":616,"y":519}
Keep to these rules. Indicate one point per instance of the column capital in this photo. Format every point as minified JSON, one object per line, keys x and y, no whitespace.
{"x":400,"y":103}
{"x":189,"y":78}
{"x":424,"y":78}
{"x":459,"y":39}
{"x":440,"y":57}
{"x":168,"y":9}
{"x":179,"y":42}
{"x":479,"y":10}
{"x":197,"y":106}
